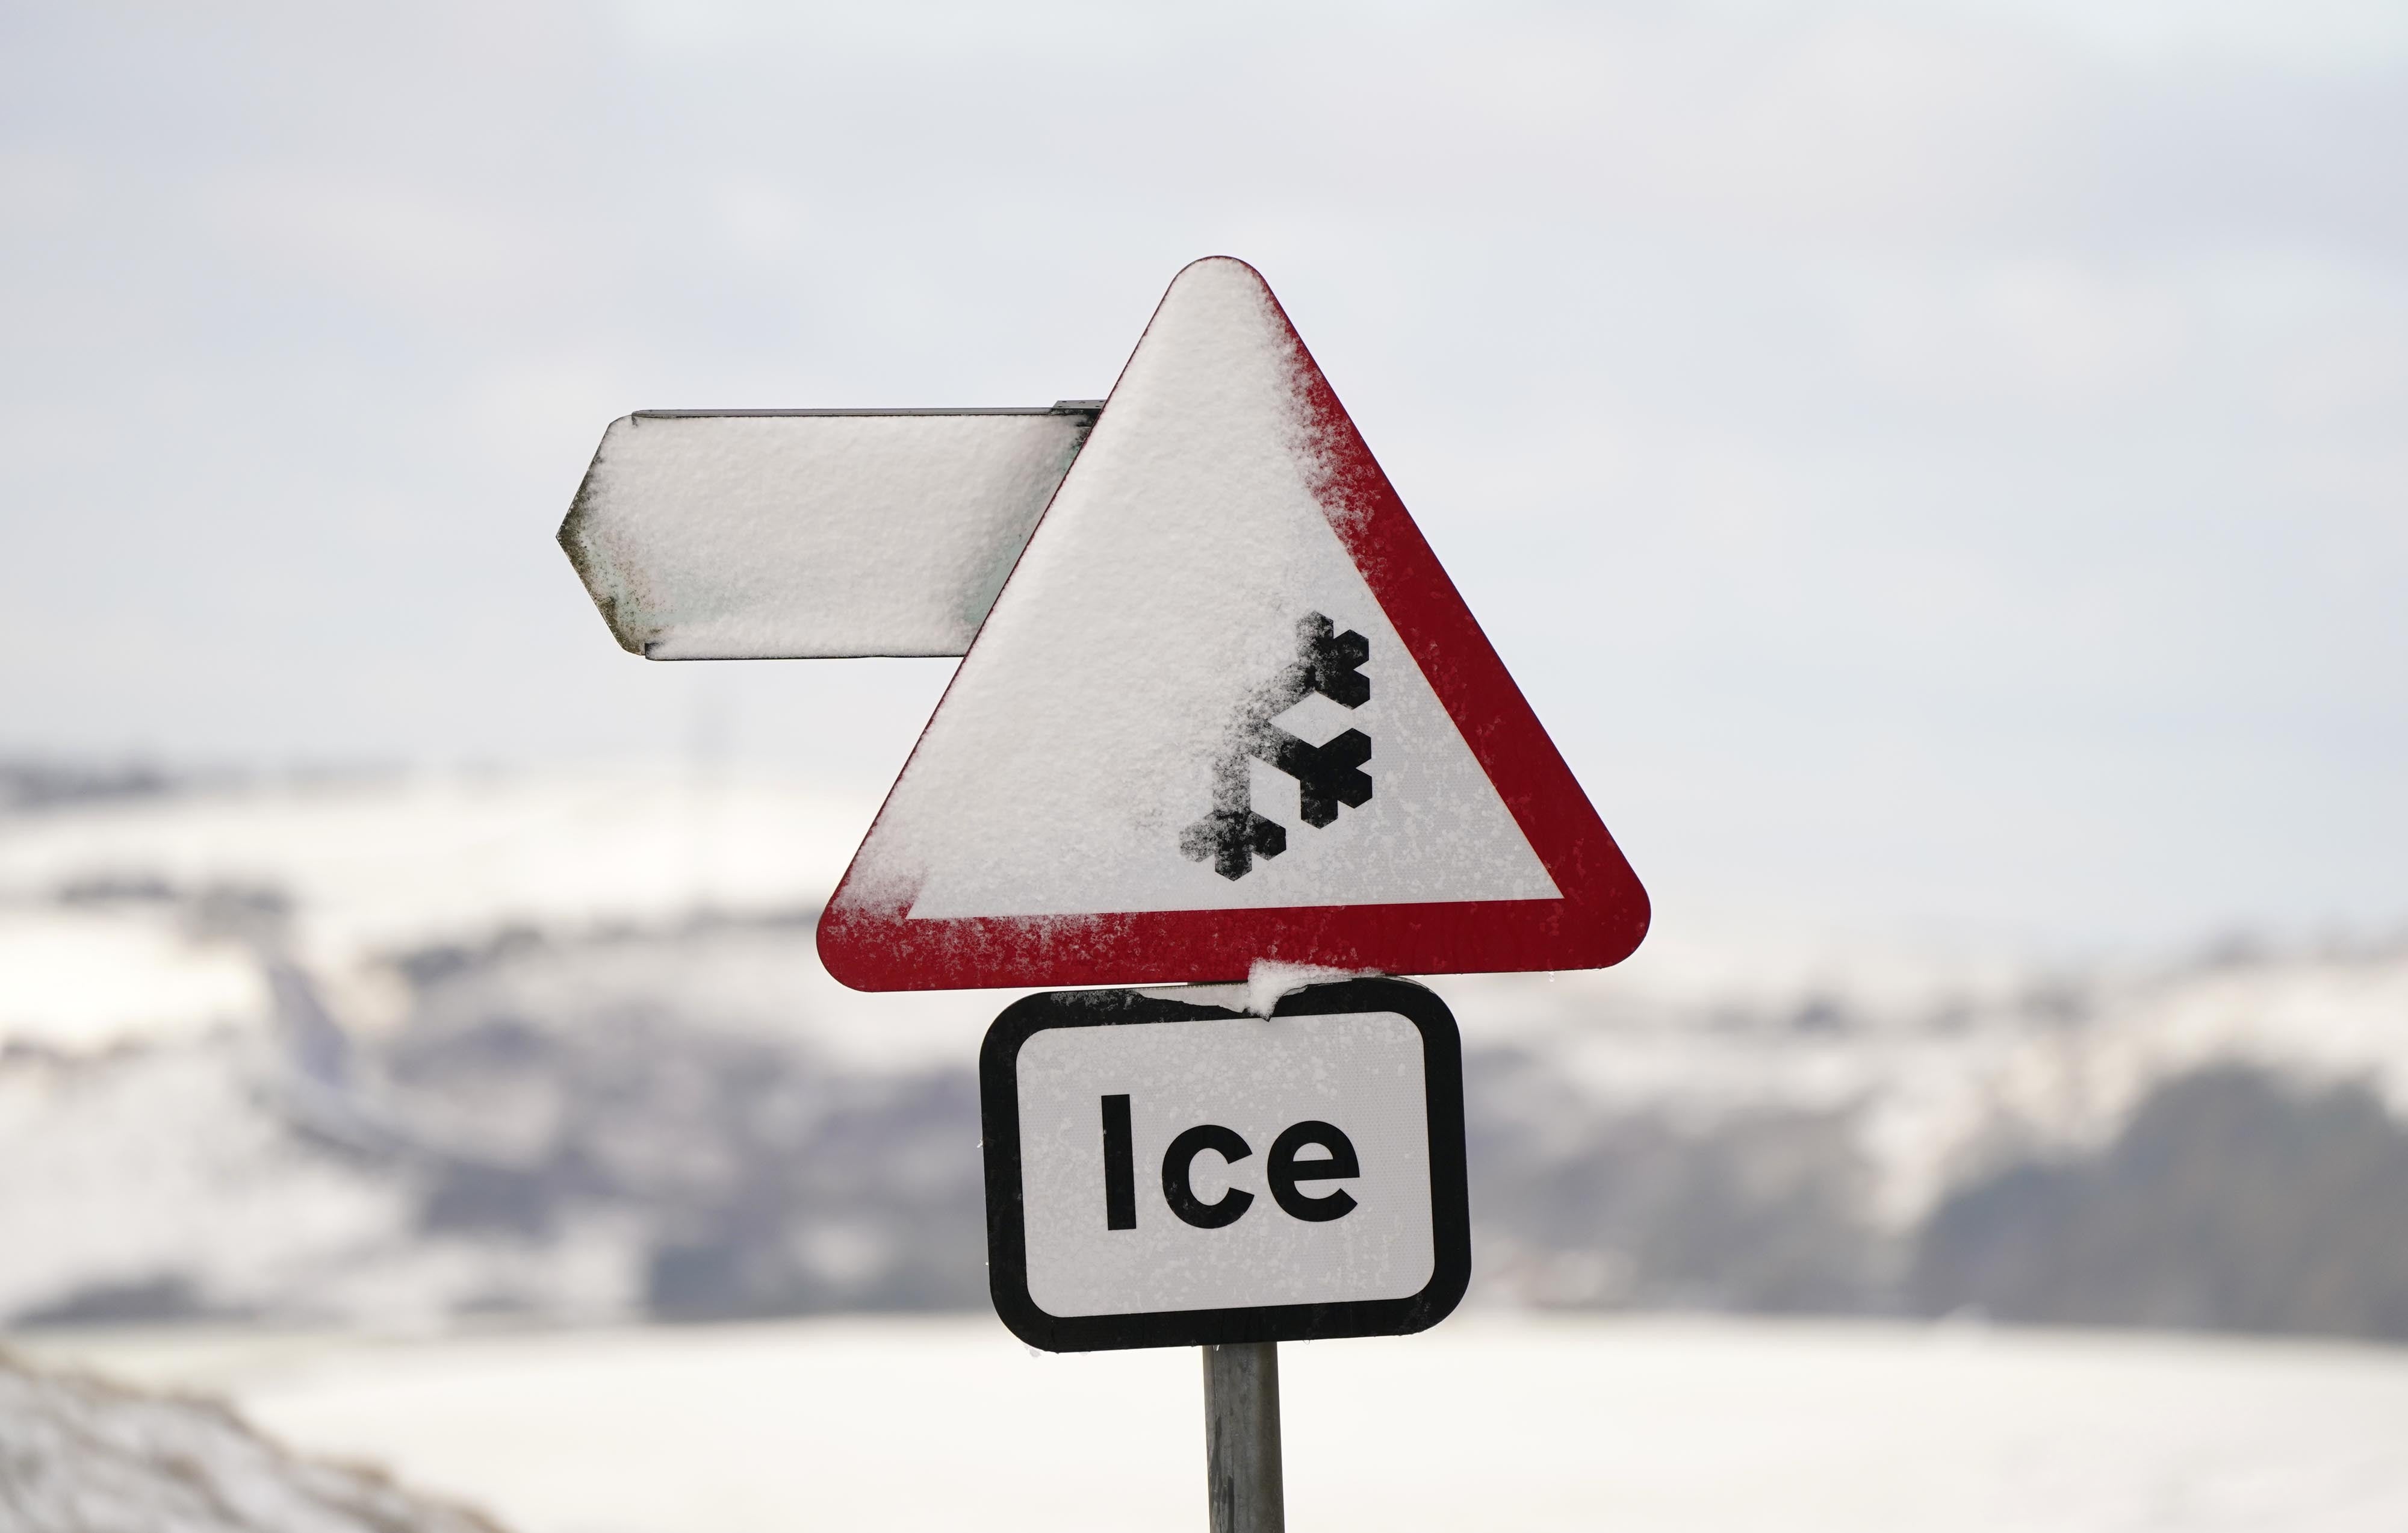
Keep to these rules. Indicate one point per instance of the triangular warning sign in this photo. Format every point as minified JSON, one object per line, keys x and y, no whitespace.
{"x":1227,"y":708}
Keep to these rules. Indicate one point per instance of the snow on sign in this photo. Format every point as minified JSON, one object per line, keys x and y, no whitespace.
{"x":1161,"y":1170}
{"x":1219,"y":706}
{"x":765,"y":534}
{"x":1227,"y":708}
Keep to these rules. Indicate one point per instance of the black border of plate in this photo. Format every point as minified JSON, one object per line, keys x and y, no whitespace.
{"x":1007,"y":1236}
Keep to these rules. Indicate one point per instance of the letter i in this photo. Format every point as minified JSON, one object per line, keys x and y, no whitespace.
{"x":1120,"y":1166}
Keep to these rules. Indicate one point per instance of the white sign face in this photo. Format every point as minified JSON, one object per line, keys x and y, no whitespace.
{"x":1129,"y":707}
{"x":1199,"y":1116}
{"x":1166,"y":1174}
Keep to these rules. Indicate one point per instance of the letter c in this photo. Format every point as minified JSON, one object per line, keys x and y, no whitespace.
{"x":1176,"y":1162}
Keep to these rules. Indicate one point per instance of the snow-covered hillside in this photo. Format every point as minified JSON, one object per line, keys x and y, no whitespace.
{"x":342,"y":873}
{"x":393,"y":1050}
{"x":79,"y":1453}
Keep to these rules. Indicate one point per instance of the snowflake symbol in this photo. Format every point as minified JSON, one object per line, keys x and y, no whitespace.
{"x":1326,"y":662}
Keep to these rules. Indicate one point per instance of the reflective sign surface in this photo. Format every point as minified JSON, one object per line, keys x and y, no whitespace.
{"x":1165,"y":1172}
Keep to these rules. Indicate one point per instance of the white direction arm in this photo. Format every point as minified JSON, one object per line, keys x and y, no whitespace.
{"x":770,"y":535}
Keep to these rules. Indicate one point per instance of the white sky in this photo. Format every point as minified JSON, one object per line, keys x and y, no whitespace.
{"x":1932,"y":464}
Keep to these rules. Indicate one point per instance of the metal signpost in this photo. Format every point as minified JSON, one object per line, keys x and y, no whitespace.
{"x":1223,"y":729}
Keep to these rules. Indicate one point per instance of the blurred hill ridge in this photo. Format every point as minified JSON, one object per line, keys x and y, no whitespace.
{"x":402,"y":1050}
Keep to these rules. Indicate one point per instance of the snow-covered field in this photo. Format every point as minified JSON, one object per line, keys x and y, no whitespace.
{"x":397,"y":1056}
{"x":1492,"y":1422}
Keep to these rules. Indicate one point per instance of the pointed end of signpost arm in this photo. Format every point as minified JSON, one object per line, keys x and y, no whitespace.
{"x":602,"y":577}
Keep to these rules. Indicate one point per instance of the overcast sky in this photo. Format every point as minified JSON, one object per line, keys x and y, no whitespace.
{"x":1932,"y":464}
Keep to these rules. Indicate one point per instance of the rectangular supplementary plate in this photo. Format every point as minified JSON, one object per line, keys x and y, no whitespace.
{"x":1166,"y":1171}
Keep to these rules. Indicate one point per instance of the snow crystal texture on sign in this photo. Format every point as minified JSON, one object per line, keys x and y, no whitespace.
{"x":1093,"y":723}
{"x":805,"y":536}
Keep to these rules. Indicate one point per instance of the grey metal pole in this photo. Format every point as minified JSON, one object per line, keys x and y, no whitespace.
{"x":1241,"y":1439}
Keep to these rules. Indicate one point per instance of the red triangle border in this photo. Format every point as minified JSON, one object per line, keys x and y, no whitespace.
{"x":1600,"y":919}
